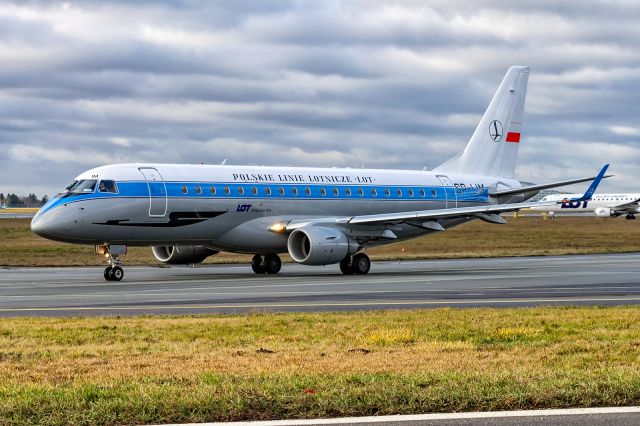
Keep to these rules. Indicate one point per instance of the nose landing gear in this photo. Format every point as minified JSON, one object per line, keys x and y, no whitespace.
{"x":114,"y":271}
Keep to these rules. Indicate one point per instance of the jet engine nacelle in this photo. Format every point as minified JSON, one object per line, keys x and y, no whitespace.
{"x":314,"y":245}
{"x":182,"y":255}
{"x":605,"y":212}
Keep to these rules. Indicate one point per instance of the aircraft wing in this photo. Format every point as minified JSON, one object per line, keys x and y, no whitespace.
{"x":428,"y":218}
{"x":631,"y":207}
{"x":488,"y":213}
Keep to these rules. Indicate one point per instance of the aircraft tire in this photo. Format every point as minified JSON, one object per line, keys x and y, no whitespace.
{"x":258,"y":264}
{"x":361,"y":264}
{"x":107,"y":273}
{"x":116,"y":273}
{"x":272,"y":263}
{"x":346,"y":266}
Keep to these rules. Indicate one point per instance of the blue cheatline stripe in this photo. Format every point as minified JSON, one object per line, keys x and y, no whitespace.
{"x":139,"y":189}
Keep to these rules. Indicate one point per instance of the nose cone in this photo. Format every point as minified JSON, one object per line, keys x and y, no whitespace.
{"x":46,"y":226}
{"x":39,"y":226}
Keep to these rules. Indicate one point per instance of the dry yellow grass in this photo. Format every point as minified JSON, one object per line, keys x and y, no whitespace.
{"x":520,"y":237}
{"x":171,"y":369}
{"x":16,"y":210}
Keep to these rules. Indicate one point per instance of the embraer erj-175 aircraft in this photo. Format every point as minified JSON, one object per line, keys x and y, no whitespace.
{"x":319,"y":216}
{"x":602,"y":205}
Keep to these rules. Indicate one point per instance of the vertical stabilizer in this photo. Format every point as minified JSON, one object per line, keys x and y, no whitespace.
{"x":493,"y":148}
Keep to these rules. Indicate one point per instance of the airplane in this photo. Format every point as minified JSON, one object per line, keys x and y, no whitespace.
{"x":320,"y":216}
{"x":602,"y":205}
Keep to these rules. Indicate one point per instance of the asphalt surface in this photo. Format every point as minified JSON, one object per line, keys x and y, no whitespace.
{"x":4,"y":215}
{"x":567,"y":280}
{"x":599,"y":416}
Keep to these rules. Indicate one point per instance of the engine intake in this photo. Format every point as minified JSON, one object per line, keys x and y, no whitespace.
{"x":314,"y":245}
{"x":182,"y":255}
{"x":605,"y":212}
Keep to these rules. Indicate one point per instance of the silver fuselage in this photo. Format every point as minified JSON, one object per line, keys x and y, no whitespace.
{"x":159,"y":204}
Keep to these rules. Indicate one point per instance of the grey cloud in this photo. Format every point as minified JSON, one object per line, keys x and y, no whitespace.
{"x":387,"y":83}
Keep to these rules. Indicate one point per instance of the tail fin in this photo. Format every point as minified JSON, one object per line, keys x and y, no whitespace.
{"x":493,"y":148}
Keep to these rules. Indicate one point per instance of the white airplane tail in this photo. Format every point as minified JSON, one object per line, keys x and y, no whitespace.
{"x":493,"y":148}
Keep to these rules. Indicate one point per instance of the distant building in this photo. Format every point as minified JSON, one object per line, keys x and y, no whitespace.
{"x":543,"y":194}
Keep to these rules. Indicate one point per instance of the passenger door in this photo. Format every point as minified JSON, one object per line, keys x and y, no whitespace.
{"x":157,"y":191}
{"x":451,"y":196}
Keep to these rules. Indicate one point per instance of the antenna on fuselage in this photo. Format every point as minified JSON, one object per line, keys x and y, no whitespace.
{"x":224,"y":162}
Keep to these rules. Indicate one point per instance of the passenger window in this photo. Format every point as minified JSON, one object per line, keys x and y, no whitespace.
{"x":294,"y":191}
{"x":323,"y":192}
{"x":411,"y":193}
{"x":281,"y":191}
{"x":267,"y":190}
{"x":107,"y":186}
{"x":387,"y":193}
{"x":184,"y":189}
{"x":434,"y":193}
{"x":347,"y":191}
{"x":399,"y":192}
{"x":254,"y":190}
{"x":361,"y":192}
{"x":336,"y":192}
{"x":374,"y":192}
{"x":198,"y":189}
{"x":307,"y":191}
{"x":423,"y":193}
{"x":212,"y":190}
{"x":240,"y":190}
{"x":227,"y":190}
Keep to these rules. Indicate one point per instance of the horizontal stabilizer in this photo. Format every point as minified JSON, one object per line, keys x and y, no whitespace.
{"x":537,"y":188}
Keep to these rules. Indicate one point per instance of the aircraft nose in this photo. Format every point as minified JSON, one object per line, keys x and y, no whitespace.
{"x":43,"y":226}
{"x":37,"y":225}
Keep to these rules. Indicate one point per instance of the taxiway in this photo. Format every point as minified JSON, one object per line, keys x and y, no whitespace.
{"x":568,"y":280}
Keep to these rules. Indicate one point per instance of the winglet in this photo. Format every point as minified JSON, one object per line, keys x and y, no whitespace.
{"x":594,"y":185}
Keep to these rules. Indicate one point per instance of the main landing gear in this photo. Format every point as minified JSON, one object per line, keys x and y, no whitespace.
{"x":267,"y":264}
{"x":360,"y":264}
{"x":630,"y":217}
{"x":114,"y":271}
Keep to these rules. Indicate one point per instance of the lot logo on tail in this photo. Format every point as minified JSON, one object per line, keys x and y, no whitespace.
{"x":495,"y":130}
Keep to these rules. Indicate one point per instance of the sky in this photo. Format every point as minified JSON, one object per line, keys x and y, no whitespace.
{"x":384,"y":84}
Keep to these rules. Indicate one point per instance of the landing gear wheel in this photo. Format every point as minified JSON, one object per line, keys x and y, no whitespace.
{"x":630,"y":217}
{"x":258,"y":264}
{"x":346,"y":266}
{"x":272,"y":263}
{"x":361,"y":264}
{"x":116,"y":273}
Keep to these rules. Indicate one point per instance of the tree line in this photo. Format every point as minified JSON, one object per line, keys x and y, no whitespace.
{"x":13,"y":200}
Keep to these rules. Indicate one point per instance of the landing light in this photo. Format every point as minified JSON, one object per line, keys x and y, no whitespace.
{"x":277,"y":228}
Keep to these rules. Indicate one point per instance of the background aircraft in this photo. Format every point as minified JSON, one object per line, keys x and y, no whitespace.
{"x":602,"y":205}
{"x":319,"y":216}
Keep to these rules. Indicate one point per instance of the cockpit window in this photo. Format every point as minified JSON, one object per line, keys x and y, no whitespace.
{"x":107,"y":186}
{"x":82,"y":186}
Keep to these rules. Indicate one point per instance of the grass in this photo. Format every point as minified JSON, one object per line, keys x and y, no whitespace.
{"x":520,"y":237}
{"x":14,"y":210}
{"x":309,"y":365}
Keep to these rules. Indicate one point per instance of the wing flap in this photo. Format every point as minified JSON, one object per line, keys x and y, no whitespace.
{"x":442,"y":213}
